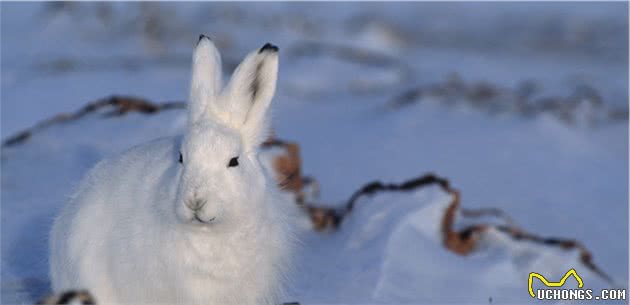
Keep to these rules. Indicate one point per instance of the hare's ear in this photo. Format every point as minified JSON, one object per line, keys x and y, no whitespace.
{"x":205,"y":83}
{"x":249,"y":94}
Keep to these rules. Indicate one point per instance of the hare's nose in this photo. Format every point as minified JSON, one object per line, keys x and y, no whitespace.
{"x":196,"y":204}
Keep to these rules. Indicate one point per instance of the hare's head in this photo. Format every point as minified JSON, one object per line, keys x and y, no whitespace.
{"x":221,"y":177}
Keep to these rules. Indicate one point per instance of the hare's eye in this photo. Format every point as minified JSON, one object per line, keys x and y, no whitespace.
{"x":181,"y":158}
{"x":233,"y":162}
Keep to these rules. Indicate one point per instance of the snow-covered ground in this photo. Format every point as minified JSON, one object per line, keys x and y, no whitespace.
{"x":342,"y":65}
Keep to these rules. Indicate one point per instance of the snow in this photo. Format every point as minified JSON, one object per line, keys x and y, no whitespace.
{"x":553,"y":178}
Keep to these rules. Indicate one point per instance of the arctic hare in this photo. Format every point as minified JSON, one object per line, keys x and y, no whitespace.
{"x":184,"y":220}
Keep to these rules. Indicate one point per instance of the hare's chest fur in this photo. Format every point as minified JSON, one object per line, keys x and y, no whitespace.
{"x":224,"y":269}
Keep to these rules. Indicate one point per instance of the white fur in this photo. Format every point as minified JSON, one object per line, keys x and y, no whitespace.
{"x":127,"y":235}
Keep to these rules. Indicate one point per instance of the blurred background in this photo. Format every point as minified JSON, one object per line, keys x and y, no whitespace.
{"x":522,"y":106}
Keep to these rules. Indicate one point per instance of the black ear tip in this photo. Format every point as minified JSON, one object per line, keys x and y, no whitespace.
{"x":203,"y":36}
{"x":268,"y":47}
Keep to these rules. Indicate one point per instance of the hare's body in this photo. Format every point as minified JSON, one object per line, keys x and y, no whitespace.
{"x":145,"y":229}
{"x":106,"y":251}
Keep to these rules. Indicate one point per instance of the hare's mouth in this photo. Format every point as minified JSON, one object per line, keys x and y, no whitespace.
{"x":196,"y":218}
